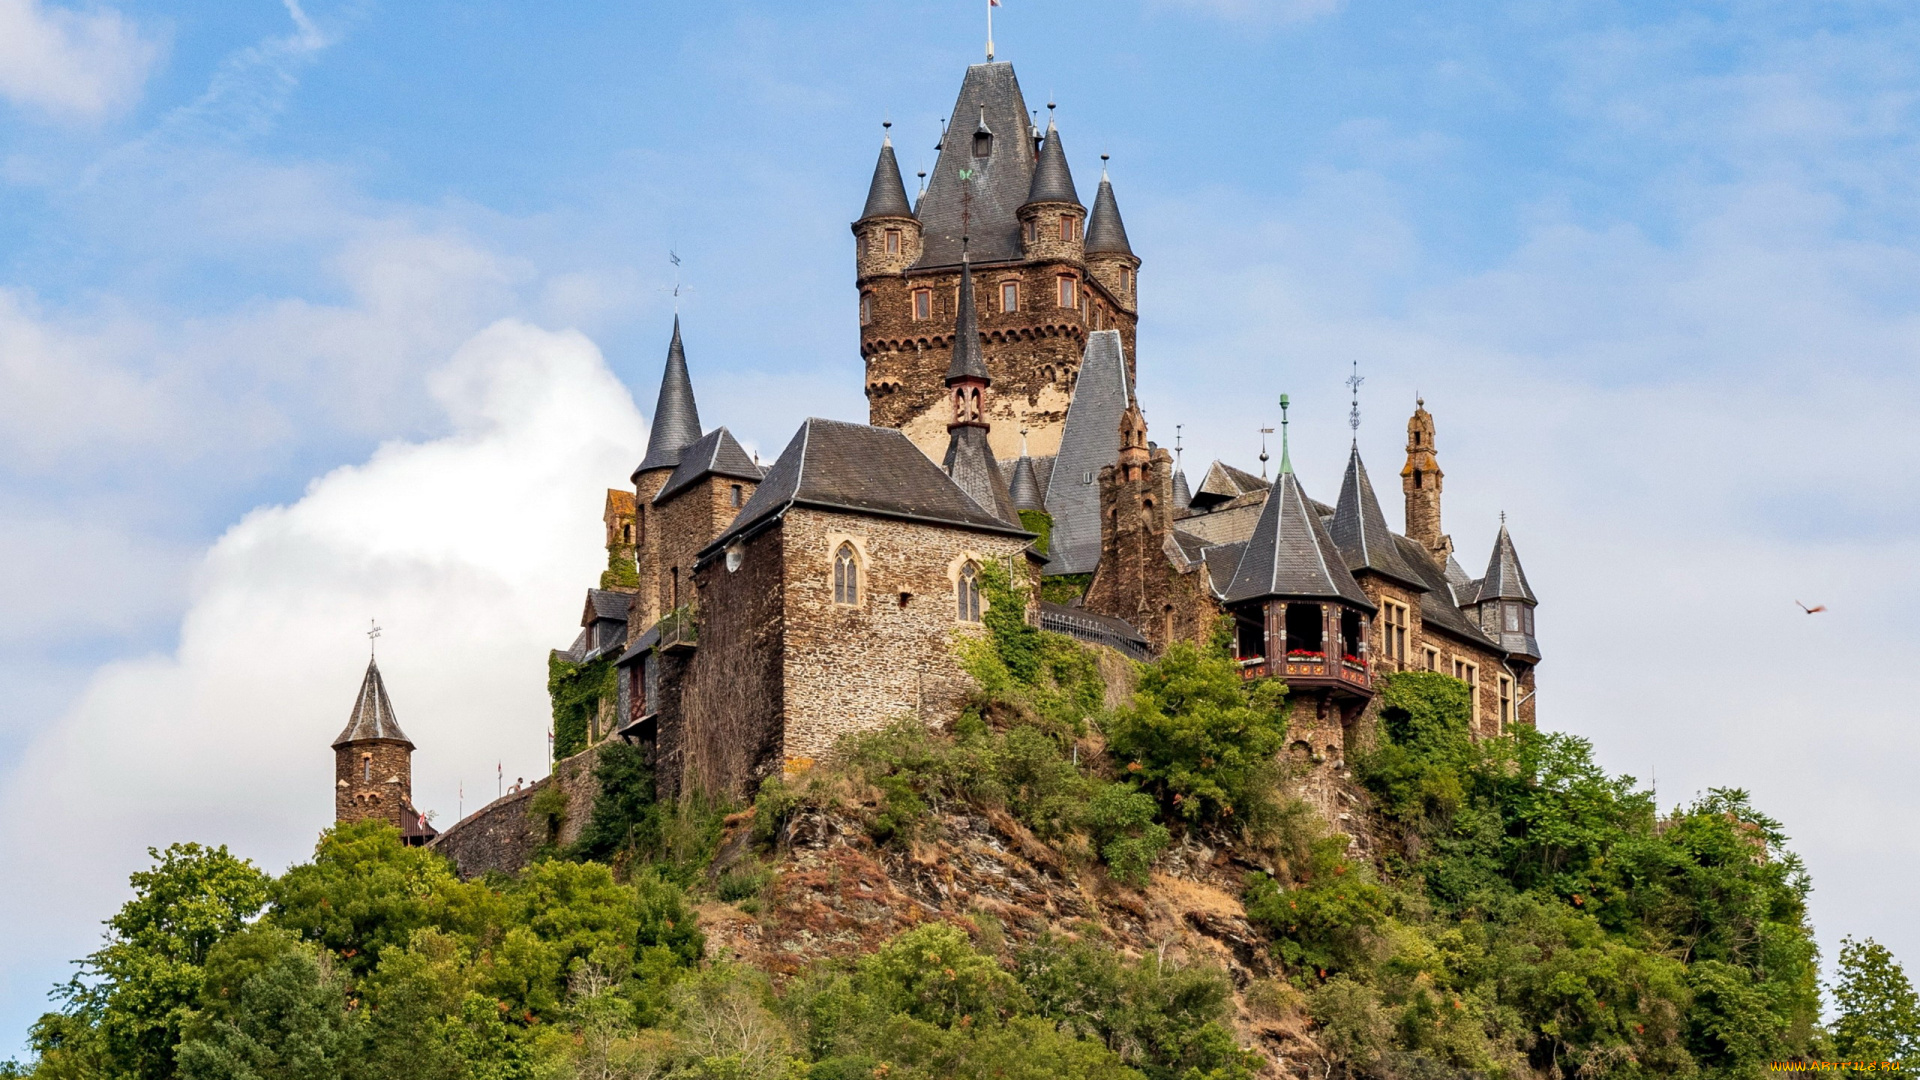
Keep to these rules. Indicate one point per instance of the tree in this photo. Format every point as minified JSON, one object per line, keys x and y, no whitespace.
{"x":285,"y":1019}
{"x":1199,"y":739}
{"x":1879,"y":1012}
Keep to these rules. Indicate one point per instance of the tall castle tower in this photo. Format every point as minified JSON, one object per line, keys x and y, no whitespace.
{"x":1046,"y":273}
{"x":373,"y":766}
{"x":1420,"y":479}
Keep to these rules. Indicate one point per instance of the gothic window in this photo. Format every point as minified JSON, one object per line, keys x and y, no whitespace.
{"x":1009,"y":296}
{"x":893,"y":241}
{"x":1506,"y":702}
{"x":923,"y":303}
{"x":1393,"y":631}
{"x":968,"y":594}
{"x":866,"y":308}
{"x":1069,"y":292}
{"x":846,"y":576}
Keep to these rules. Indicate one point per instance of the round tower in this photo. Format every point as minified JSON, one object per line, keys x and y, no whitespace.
{"x":887,"y":236}
{"x":1052,"y":221}
{"x":1421,"y":480}
{"x":373,"y":762}
{"x":1110,"y":258}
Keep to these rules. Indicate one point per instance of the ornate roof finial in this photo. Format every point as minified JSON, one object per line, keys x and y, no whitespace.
{"x":991,"y":4}
{"x":1176,"y":444}
{"x":373,"y":628}
{"x":1023,"y":449}
{"x":1353,"y":415}
{"x":1286,"y":460}
{"x":1264,"y":432}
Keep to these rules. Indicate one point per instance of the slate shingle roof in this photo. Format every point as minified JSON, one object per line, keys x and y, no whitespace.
{"x":1505,"y":580}
{"x":834,"y":465}
{"x":1360,"y":529}
{"x":1089,"y":442}
{"x":606,"y":604}
{"x":1000,"y":181}
{"x":887,"y":195}
{"x":713,"y":454}
{"x":1024,"y":487}
{"x":1182,"y":494}
{"x":1291,"y":554}
{"x":970,"y":464}
{"x":1052,"y":180}
{"x":968,"y":360}
{"x":1439,"y":607}
{"x":1106,"y":233}
{"x":372,"y":713}
{"x":1222,"y":561}
{"x":676,"y":420}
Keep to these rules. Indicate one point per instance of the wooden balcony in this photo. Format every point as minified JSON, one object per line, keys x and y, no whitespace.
{"x":1311,"y":671}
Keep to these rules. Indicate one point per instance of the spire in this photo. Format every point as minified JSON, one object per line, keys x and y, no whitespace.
{"x":887,"y":195}
{"x":970,"y":465}
{"x":968,"y":363}
{"x":1024,"y":489}
{"x":1106,"y":233}
{"x":372,"y":713}
{"x":1290,"y":553}
{"x":1505,"y":580}
{"x":1182,"y":492}
{"x":1360,"y":530}
{"x":676,"y":420}
{"x":1052,"y":180}
{"x":1286,"y":460}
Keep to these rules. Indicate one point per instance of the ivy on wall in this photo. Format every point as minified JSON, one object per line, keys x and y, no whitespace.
{"x":577,"y":690}
{"x":621,"y":571}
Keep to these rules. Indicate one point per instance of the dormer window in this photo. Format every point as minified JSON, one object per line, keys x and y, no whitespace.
{"x":923,"y":303}
{"x":983,"y":142}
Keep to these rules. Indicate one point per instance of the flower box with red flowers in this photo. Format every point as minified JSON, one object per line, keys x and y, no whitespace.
{"x":1304,"y":657}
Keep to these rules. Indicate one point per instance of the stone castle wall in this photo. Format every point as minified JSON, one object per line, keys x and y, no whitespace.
{"x":503,"y":836}
{"x":721,"y":706}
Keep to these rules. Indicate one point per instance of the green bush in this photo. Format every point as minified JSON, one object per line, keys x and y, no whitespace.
{"x":1325,"y":922}
{"x":1121,"y":820}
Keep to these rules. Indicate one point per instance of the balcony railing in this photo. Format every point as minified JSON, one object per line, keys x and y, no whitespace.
{"x":1309,"y":669}
{"x":680,"y":630}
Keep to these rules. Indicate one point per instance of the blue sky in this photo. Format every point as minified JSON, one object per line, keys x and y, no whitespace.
{"x":310,"y":313}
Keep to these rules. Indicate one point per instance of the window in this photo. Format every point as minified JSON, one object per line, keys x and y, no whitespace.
{"x":923,"y":303}
{"x":968,"y":594}
{"x":846,"y":576}
{"x":1430,"y":659}
{"x":866,"y":308}
{"x":1066,"y":227}
{"x":673,"y":596}
{"x":1031,"y":230}
{"x":366,"y":765}
{"x":1126,"y":279}
{"x":1009,"y":296}
{"x":733,"y":496}
{"x":893,"y":241}
{"x":1393,"y":631}
{"x":1512,"y":612}
{"x":1306,"y":633}
{"x":1069,"y":291}
{"x":1469,"y":673}
{"x":1526,"y":618}
{"x":983,"y":143}
{"x":1506,"y":702}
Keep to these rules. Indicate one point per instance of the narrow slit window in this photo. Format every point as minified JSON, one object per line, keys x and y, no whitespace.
{"x":733,"y":496}
{"x":846,"y":576}
{"x":969,"y":594}
{"x":866,"y":308}
{"x":893,"y":241}
{"x":1506,"y":702}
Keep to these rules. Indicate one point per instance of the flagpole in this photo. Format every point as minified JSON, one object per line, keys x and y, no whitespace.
{"x":989,"y":29}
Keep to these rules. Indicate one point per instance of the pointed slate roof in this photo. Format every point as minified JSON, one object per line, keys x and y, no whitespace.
{"x":971,"y":465}
{"x":1052,"y":179}
{"x":1106,"y":233}
{"x":1291,"y":554}
{"x":1182,"y":494}
{"x":1024,"y":488}
{"x":834,"y":465}
{"x":1089,"y":442}
{"x":1438,"y":608}
{"x":1360,"y":530}
{"x":999,"y":181}
{"x":676,"y":420}
{"x":887,"y":195}
{"x":1505,"y":580}
{"x":713,"y":454}
{"x":968,"y":361}
{"x":372,"y":713}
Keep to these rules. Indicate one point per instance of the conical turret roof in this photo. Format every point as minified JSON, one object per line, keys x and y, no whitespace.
{"x":372,"y":713}
{"x":970,"y":464}
{"x":887,"y":195}
{"x":1360,"y":529}
{"x":968,"y":361}
{"x":1182,"y":492}
{"x":979,"y":196}
{"x":1291,"y":554}
{"x":1052,"y":180}
{"x":1025,"y":486}
{"x":676,"y":420}
{"x":1505,"y":580}
{"x":1106,"y":233}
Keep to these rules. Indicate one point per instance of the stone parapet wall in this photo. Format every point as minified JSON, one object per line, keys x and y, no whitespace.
{"x":503,"y":836}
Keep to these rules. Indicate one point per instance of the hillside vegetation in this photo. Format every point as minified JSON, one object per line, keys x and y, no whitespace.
{"x":1052,"y":888}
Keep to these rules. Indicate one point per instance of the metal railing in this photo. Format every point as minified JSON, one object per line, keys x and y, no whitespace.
{"x":1095,"y":632}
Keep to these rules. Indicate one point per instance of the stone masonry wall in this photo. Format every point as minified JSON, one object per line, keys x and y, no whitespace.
{"x":645,"y":609}
{"x":503,"y":836}
{"x":372,"y":781}
{"x":861,"y":667}
{"x":1136,"y":580}
{"x":686,"y":523}
{"x":721,"y":707}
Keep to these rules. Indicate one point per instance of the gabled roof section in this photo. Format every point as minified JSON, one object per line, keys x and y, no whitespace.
{"x":887,"y":195}
{"x":1360,"y":529}
{"x":999,"y":182}
{"x":1224,"y":483}
{"x":1291,"y":554}
{"x":971,"y":465}
{"x":1089,"y":442}
{"x":605,"y":604}
{"x":1505,"y":580}
{"x":1024,"y":487}
{"x":713,"y":454}
{"x":372,"y":713}
{"x":1052,"y":179}
{"x":968,"y":361}
{"x":1439,"y":610}
{"x":676,"y":420}
{"x":856,"y":468}
{"x":1106,"y":233}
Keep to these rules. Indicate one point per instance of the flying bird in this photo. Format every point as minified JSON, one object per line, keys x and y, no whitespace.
{"x":1811,"y":610}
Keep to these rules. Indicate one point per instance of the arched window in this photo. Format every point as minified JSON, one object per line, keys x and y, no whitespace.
{"x":968,"y":594}
{"x":846,"y":576}
{"x":366,"y":765}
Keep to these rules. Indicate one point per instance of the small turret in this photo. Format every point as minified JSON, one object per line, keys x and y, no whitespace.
{"x":1052,"y":219}
{"x":676,"y":426}
{"x":1109,"y":256}
{"x":373,"y":765}
{"x":1421,"y":480}
{"x":969,"y":459}
{"x":887,"y":234}
{"x":1505,"y":602}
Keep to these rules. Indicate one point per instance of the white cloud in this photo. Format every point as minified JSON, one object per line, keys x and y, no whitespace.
{"x":472,"y":550}
{"x":70,"y":63}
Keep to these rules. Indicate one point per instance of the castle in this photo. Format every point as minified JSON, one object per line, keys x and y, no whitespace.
{"x":754,"y":615}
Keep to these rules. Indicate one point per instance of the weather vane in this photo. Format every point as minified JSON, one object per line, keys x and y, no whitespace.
{"x":373,"y":632}
{"x":1353,"y":415}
